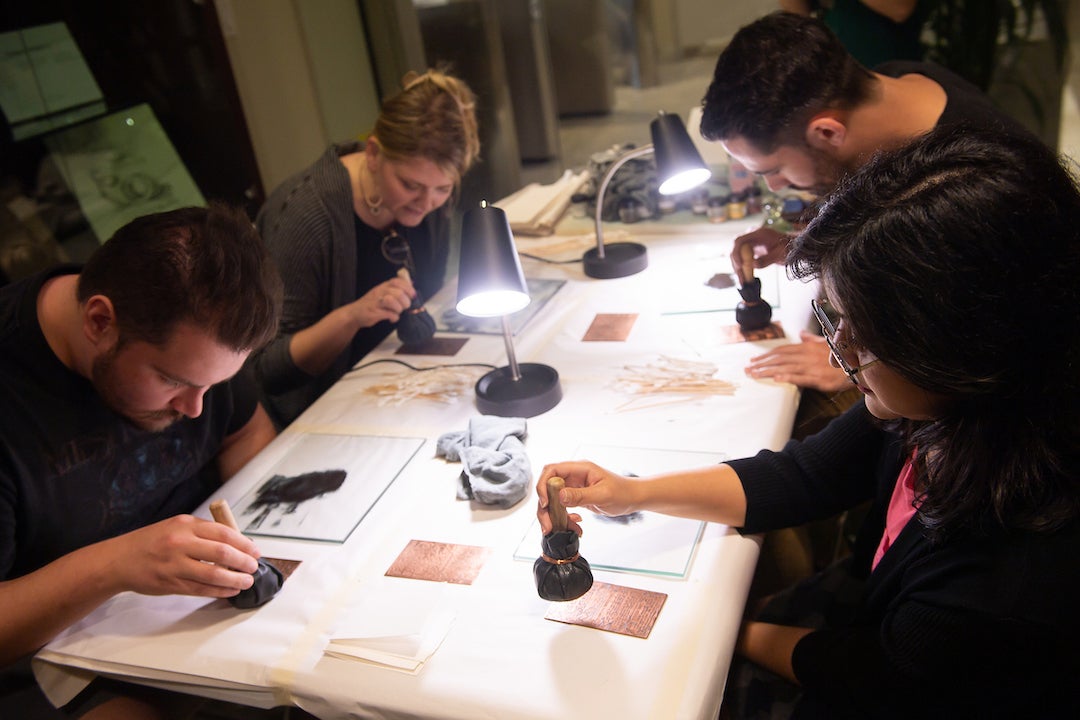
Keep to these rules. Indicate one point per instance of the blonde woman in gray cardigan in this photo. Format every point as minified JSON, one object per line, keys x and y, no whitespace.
{"x":341,"y":229}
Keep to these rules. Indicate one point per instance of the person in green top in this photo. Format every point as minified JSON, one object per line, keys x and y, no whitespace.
{"x":873,"y":31}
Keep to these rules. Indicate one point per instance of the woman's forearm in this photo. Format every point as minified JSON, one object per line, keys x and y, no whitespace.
{"x":315,"y":348}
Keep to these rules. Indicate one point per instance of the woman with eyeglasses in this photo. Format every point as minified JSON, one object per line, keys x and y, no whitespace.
{"x":952,"y":270}
{"x":342,"y":229}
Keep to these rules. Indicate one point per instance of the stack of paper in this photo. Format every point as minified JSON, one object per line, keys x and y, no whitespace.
{"x":536,"y":209}
{"x":401,"y":634}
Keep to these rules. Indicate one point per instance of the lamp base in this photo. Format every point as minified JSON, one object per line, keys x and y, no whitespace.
{"x":620,"y":259}
{"x":537,"y":391}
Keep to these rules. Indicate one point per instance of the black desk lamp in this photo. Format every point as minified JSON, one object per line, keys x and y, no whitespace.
{"x":491,"y":284}
{"x":679,"y":166}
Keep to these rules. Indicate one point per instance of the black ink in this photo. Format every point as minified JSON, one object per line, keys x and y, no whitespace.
{"x":292,"y":491}
{"x":628,"y":519}
{"x":268,"y":580}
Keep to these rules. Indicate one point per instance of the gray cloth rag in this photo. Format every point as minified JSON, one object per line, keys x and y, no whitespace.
{"x":496,"y":468}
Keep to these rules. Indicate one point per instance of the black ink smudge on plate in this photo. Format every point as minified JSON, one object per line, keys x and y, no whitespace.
{"x":292,"y":491}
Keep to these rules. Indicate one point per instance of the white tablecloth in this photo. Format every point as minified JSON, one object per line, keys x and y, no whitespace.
{"x":495,"y":656}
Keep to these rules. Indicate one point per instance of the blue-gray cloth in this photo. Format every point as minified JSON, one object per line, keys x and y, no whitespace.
{"x":497,"y":470}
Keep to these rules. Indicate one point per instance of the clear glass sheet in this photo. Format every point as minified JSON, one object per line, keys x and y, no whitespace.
{"x":643,"y":542}
{"x":324,"y":486}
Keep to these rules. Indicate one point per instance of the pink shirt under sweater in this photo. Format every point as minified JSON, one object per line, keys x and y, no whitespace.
{"x":901,"y":508}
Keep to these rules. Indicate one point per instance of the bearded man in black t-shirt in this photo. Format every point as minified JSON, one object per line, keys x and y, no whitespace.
{"x":125,"y":404}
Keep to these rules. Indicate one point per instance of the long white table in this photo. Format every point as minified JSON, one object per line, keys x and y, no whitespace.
{"x":500,"y":657}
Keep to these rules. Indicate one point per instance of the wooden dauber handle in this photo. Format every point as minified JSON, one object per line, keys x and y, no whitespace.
{"x":556,"y":510}
{"x":746,"y":268}
{"x":417,"y":302}
{"x":223,"y":514}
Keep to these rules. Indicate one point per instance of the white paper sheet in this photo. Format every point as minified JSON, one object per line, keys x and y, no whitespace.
{"x":392,"y":629}
{"x":536,"y":209}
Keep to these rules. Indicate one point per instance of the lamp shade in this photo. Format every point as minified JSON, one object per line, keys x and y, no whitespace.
{"x":490,"y":283}
{"x":490,"y":280}
{"x":679,"y":165}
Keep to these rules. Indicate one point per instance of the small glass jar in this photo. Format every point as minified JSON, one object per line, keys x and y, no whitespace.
{"x":717,"y":210}
{"x":736,"y":207}
{"x":699,"y":202}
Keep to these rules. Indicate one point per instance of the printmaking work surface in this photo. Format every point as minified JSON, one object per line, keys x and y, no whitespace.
{"x":702,"y":292}
{"x":324,"y":486}
{"x":641,"y":542}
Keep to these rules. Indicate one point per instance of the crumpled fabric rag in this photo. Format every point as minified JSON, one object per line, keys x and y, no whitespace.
{"x":496,"y":469}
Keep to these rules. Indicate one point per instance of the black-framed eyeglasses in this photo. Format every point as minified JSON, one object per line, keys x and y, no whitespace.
{"x":395,"y":248}
{"x":829,"y":331}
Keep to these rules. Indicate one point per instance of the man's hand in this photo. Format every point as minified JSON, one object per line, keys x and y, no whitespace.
{"x":183,"y":555}
{"x":805,"y":364}
{"x":769,"y":247}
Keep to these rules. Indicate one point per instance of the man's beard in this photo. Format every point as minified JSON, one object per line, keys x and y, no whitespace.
{"x":103,"y":375}
{"x":828,"y":171}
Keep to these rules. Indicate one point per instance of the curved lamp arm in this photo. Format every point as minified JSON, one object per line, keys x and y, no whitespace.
{"x":622,"y":160}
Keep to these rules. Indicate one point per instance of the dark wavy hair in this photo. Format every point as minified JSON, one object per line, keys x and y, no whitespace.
{"x":774,"y":76}
{"x":203,"y":265}
{"x":956,"y":261}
